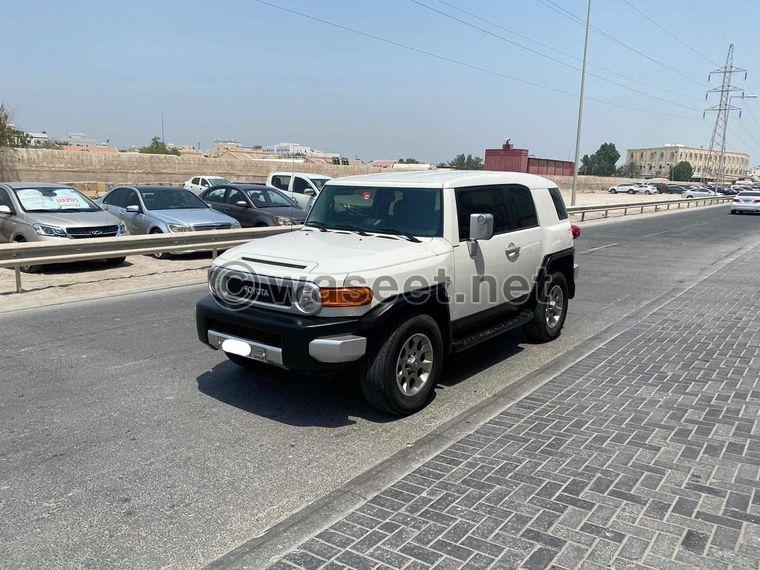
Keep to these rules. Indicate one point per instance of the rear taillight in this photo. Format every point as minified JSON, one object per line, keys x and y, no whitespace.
{"x":575,"y":230}
{"x":756,"y":201}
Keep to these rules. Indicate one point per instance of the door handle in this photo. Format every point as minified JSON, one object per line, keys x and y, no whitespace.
{"x":512,"y":251}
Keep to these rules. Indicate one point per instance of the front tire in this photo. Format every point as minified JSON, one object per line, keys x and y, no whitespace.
{"x":163,"y":255}
{"x":27,"y":268}
{"x":551,"y":309}
{"x":399,"y":375}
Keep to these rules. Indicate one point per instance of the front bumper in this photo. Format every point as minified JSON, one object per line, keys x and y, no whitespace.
{"x":295,"y":342}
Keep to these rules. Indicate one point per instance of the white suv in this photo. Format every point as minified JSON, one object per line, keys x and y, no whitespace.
{"x":393,"y":272}
{"x":301,"y":187}
{"x":199,"y":184}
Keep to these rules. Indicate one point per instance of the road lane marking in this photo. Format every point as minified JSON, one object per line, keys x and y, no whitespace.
{"x":598,"y":248}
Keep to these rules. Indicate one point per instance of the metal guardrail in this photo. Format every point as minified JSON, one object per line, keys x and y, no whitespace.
{"x":640,"y":206}
{"x":16,"y":255}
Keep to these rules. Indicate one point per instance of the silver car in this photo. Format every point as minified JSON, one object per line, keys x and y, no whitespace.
{"x":163,"y":209}
{"x":40,"y":211}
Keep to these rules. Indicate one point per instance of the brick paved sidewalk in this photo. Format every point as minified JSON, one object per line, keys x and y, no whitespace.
{"x":644,"y":454}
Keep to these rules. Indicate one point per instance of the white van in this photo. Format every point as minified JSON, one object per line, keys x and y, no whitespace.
{"x":302,"y":187}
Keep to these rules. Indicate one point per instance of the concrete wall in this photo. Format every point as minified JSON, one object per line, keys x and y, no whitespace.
{"x":95,"y":173}
{"x":44,"y":165}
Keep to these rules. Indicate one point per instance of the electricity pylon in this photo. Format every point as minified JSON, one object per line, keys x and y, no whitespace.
{"x":715,"y":168}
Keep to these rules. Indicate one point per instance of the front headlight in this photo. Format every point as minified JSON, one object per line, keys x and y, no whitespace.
{"x":283,"y":221}
{"x":236,"y":225}
{"x":122,"y":231}
{"x":176,"y":228}
{"x":308,"y":298}
{"x":50,"y":231}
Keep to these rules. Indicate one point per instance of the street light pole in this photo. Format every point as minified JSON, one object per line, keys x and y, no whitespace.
{"x":580,"y":108}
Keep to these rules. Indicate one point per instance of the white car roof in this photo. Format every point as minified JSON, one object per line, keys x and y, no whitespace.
{"x":291,"y":172}
{"x":445,"y":179}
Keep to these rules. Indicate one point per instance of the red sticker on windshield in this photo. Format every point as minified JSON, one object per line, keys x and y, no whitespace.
{"x":367,"y":195}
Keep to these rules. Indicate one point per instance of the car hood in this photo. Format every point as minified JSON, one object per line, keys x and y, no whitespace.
{"x":295,"y":213}
{"x":73,"y":219}
{"x":191,"y":216}
{"x":302,"y":253}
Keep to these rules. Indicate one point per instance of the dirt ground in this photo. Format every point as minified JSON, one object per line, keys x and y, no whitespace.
{"x":67,"y":283}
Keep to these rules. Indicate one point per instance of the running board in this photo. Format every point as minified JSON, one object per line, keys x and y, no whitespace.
{"x":517,"y":321}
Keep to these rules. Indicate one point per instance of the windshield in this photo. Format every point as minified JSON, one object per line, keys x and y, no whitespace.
{"x":268,"y":198}
{"x":54,"y":200}
{"x":171,"y":199}
{"x":415,"y":211}
{"x":320,"y":182}
{"x":218,"y":181}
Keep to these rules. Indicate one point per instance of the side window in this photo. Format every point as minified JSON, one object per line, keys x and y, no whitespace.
{"x":131,"y":199}
{"x":559,"y":203}
{"x":215,"y":196}
{"x":195,"y":180}
{"x":300,"y":184}
{"x":481,"y":200}
{"x":116,"y":198}
{"x":5,"y":200}
{"x":235,"y":196}
{"x":281,"y":182}
{"x":522,"y":208}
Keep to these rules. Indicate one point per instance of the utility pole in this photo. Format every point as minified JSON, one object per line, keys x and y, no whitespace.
{"x":580,"y":108}
{"x":716,"y":157}
{"x":163,"y":138}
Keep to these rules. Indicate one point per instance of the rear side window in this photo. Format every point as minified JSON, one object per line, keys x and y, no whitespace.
{"x":195,"y":180}
{"x":559,"y":203}
{"x":281,"y":182}
{"x":521,"y":207}
{"x":216,"y":196}
{"x":481,"y":200}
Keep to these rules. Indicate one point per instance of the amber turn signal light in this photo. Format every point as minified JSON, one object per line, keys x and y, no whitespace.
{"x":346,"y":296}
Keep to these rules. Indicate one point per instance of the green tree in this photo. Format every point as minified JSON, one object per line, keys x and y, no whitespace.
{"x":408,"y":161}
{"x":469,"y":162}
{"x":157,"y":146}
{"x":629,"y":170}
{"x":9,"y":137}
{"x":602,"y":162}
{"x":682,"y":171}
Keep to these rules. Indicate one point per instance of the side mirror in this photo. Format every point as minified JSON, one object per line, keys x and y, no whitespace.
{"x":241,"y":204}
{"x":6,"y":210}
{"x":481,"y":228}
{"x":309,"y":192}
{"x":133,"y":209}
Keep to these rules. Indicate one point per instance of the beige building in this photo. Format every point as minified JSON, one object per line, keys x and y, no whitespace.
{"x":658,"y":161}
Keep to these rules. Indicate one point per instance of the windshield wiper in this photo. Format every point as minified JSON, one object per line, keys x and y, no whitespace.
{"x":394,"y":231}
{"x":359,"y":231}
{"x":320,"y":225}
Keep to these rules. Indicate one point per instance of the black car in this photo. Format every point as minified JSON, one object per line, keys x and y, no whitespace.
{"x":676,"y":189}
{"x":254,"y":205}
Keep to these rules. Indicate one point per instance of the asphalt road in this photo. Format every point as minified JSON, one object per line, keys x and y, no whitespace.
{"x":125,"y":442}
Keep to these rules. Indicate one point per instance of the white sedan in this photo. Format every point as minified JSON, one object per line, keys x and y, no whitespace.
{"x":746,"y":201}
{"x":697,"y":192}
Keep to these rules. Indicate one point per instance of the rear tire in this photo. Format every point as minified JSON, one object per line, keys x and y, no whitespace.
{"x":400,"y":372}
{"x":551,"y":310}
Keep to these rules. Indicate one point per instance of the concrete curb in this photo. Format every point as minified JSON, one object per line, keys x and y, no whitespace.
{"x":262,"y":550}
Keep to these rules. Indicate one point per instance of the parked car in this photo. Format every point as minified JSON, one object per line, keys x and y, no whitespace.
{"x":39,"y":211}
{"x":198,"y":184}
{"x":254,"y":205}
{"x":676,"y":189}
{"x":647,"y":189}
{"x":163,"y":209}
{"x":697,"y":192}
{"x":623,"y":189}
{"x":301,"y":187}
{"x":746,"y":201}
{"x":381,"y":276}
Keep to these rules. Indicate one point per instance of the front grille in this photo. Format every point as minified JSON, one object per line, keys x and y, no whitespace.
{"x":215,"y":226}
{"x":263,"y":337}
{"x":269,"y":291}
{"x":94,"y":232}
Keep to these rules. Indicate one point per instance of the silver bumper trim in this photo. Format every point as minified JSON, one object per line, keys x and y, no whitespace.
{"x":259,"y":352}
{"x":343,"y":348}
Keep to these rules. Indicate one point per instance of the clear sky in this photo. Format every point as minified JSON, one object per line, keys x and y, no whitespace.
{"x":243,"y":70}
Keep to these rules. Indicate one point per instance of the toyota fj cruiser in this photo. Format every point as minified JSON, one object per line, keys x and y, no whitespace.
{"x":393,"y":272}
